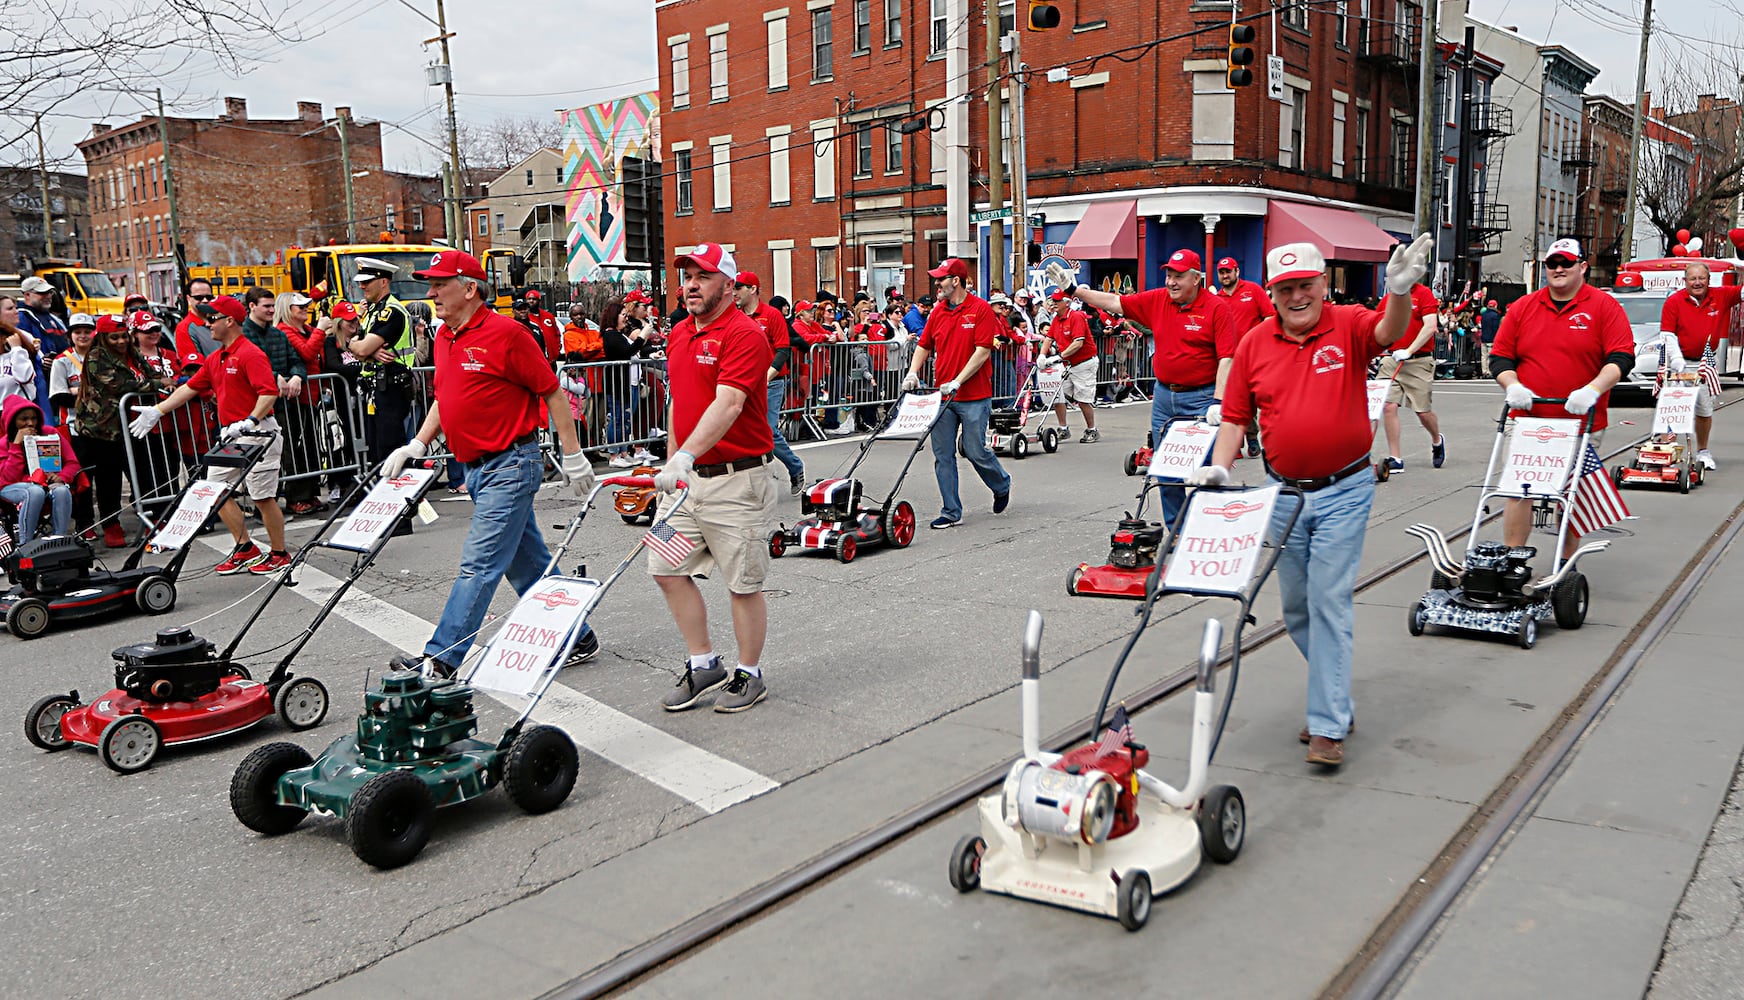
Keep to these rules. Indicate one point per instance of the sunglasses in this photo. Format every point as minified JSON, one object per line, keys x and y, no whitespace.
{"x":202,"y":298}
{"x":1560,"y":263}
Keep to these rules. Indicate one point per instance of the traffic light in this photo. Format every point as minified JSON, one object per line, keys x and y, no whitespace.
{"x":1241,"y":54}
{"x":1043,"y":16}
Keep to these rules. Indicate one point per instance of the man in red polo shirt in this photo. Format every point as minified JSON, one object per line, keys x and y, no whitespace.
{"x":1193,"y":337}
{"x":1248,"y":303}
{"x":490,"y":381}
{"x":1695,"y":317}
{"x":1569,"y":341}
{"x":240,"y":376}
{"x":1305,"y":371}
{"x":717,"y":362}
{"x":748,"y":290}
{"x":1068,"y":340}
{"x":550,"y":331}
{"x":960,"y":330}
{"x":1411,"y":370}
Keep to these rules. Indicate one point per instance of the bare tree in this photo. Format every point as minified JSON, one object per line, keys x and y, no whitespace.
{"x":1692,"y":173}
{"x":490,"y":148}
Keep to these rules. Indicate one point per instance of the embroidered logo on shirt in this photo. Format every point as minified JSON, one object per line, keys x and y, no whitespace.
{"x":1579,"y":321}
{"x":1328,"y":359}
{"x":705,"y":352}
{"x":474,"y":359}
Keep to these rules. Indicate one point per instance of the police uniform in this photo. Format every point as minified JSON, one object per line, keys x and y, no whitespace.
{"x":386,"y":387}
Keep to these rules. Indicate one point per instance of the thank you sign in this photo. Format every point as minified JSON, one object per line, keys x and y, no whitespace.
{"x":185,"y":521}
{"x":1183,"y":449}
{"x":535,"y":634}
{"x":1540,"y":455}
{"x":1221,"y":542}
{"x":380,"y":508}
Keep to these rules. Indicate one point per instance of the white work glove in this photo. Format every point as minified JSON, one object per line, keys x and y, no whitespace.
{"x":677,"y":469}
{"x":1581,"y":400}
{"x":411,"y":451}
{"x":1401,"y":355}
{"x":1673,"y":350}
{"x":1674,"y":360}
{"x":573,"y":387}
{"x":1214,"y":414}
{"x":232,"y":430}
{"x":1408,"y":265}
{"x":950,"y":388}
{"x":578,"y":469}
{"x":910,"y":382}
{"x":145,"y":421}
{"x":1520,"y":397}
{"x":1049,"y":360}
{"x":1061,"y":278}
{"x":1208,"y":475}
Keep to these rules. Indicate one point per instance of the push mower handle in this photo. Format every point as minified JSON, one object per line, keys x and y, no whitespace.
{"x":637,"y":481}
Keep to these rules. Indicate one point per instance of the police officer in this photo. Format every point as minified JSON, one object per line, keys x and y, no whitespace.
{"x":385,"y":347}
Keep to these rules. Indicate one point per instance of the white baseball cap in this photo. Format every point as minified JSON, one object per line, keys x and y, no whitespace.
{"x":35,"y":284}
{"x":1293,"y":260}
{"x":81,"y":319}
{"x":1565,"y":248}
{"x":299,"y":299}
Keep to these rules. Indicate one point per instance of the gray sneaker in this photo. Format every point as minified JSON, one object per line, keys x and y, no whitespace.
{"x":695,"y":685}
{"x":742,"y":692}
{"x":1091,"y":436}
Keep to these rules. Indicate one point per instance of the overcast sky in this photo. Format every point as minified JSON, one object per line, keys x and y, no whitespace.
{"x":531,"y":57}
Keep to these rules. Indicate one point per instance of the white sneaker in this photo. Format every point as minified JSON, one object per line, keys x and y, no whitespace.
{"x":1706,"y":457}
{"x":655,"y":432}
{"x":623,"y":462}
{"x":645,"y":457}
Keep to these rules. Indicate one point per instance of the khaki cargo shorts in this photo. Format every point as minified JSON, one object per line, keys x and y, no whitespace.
{"x":263,"y":480}
{"x":1080,"y":382}
{"x":728,"y":519}
{"x":1415,"y":384}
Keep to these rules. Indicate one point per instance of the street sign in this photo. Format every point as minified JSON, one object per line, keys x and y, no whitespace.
{"x":1275,"y":77}
{"x":990,"y":215}
{"x":1037,"y":221}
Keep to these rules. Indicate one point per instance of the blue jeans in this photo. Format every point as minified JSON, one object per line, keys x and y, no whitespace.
{"x":29,"y":498}
{"x":1167,"y":407}
{"x":1317,"y":580}
{"x":972,"y":419}
{"x":504,"y":540}
{"x":783,"y":451}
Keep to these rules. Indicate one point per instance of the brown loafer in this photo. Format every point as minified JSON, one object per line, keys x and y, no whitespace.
{"x":1302,"y":737}
{"x":1325,"y":751}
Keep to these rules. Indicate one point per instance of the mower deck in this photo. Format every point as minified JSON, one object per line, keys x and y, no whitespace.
{"x":466,"y":769}
{"x":100,"y":593}
{"x":237,"y":704}
{"x":1447,"y":609}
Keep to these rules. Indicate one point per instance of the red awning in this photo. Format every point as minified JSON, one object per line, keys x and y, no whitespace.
{"x":1108,"y":231}
{"x":1340,"y":234}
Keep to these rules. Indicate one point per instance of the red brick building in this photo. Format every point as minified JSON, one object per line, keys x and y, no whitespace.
{"x":783,"y":129}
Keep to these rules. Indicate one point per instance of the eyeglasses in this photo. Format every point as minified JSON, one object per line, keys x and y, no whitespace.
{"x":202,"y":298}
{"x":1560,"y":263}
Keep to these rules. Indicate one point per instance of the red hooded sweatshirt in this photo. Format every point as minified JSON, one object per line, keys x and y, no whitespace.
{"x":13,"y":467}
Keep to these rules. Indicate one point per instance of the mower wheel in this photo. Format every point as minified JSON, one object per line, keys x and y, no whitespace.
{"x":129,"y":744}
{"x":1695,"y":475}
{"x":541,"y":768}
{"x":156,"y":595}
{"x":1383,"y":472}
{"x":1617,"y":474}
{"x":899,"y":525}
{"x":42,"y":724}
{"x":254,"y":788}
{"x":301,"y":703}
{"x":1019,"y":445}
{"x":777,"y":544}
{"x":846,"y":548}
{"x":27,"y":618}
{"x":1222,"y":823}
{"x":1050,"y":440}
{"x":1131,"y":466}
{"x":1569,"y":600}
{"x":1072,"y":579}
{"x":1527,"y":635}
{"x":1439,"y":580}
{"x":1134,"y":898}
{"x":238,"y":670}
{"x":390,"y":819}
{"x":1683,"y":479}
{"x":1414,"y":619}
{"x":966,"y":863}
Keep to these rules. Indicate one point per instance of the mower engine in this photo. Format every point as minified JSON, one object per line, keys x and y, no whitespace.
{"x":411,"y":717}
{"x":179,"y":666}
{"x":1495,"y":573}
{"x":832,"y":500}
{"x":1134,"y":543}
{"x":1005,"y":422}
{"x":1085,"y":797}
{"x":53,"y":563}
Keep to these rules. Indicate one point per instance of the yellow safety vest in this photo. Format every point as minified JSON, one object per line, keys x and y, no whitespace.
{"x":405,"y":350}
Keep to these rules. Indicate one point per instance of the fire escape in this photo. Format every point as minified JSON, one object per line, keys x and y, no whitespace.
{"x":1491,"y":124}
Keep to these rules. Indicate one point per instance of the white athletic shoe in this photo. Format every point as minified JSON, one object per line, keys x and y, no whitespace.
{"x":623,"y":461}
{"x":1706,"y":457}
{"x":645,"y":457}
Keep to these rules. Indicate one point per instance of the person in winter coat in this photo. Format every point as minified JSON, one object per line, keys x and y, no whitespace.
{"x":18,"y":366}
{"x":303,"y":414}
{"x":29,"y":491}
{"x":113,"y":370}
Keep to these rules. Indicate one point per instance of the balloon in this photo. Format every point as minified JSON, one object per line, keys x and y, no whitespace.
{"x":1695,"y":246}
{"x":1679,"y":250}
{"x":1737,"y":238}
{"x":1683,"y":235}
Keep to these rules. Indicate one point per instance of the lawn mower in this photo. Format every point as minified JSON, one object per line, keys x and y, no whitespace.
{"x":834,"y":515}
{"x":1090,"y":829}
{"x":56,"y":578}
{"x":636,"y":504}
{"x":1491,"y":590}
{"x":182,"y":688}
{"x":1137,"y":544}
{"x":1140,"y":458}
{"x":415,"y":749}
{"x":1667,"y":458}
{"x":1008,"y":429}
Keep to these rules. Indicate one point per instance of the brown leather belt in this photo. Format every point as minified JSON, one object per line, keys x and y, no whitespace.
{"x":728,"y":468}
{"x":525,"y":439}
{"x":1176,"y":387}
{"x":1310,"y":485}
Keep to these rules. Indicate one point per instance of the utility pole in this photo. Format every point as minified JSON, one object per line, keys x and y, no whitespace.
{"x":1462,"y":212}
{"x":451,"y":214}
{"x":47,"y":216}
{"x":1634,"y":178}
{"x":958,"y":199}
{"x":163,"y":138}
{"x":345,"y":167}
{"x":1427,"y":125}
{"x":1020,"y":234}
{"x":995,"y":155}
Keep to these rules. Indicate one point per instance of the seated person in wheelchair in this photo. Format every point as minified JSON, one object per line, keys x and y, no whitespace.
{"x":28,"y":490}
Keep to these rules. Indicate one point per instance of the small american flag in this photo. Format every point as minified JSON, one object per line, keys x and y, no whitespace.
{"x":1709,"y":370}
{"x":1597,"y":504}
{"x":671,"y":543}
{"x":1119,"y":733}
{"x":5,"y":543}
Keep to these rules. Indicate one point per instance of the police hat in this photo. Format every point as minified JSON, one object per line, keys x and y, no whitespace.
{"x":369,"y":268}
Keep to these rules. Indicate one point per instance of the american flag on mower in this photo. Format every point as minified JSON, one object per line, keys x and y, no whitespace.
{"x":1597,"y":504}
{"x":1708,"y":368}
{"x":1119,"y":733}
{"x":669,"y":542}
{"x":5,"y":543}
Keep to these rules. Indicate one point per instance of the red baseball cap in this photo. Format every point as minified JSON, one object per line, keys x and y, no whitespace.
{"x":452,"y":264}
{"x":533,"y":293}
{"x":1182,"y":260}
{"x":748,"y":279}
{"x":135,"y":297}
{"x":344,"y":310}
{"x":803,"y":305}
{"x":1228,"y":262}
{"x":141,"y":319}
{"x":709,"y":257}
{"x":1491,"y":304}
{"x":223,"y":305}
{"x":111,"y":323}
{"x":193,"y":358}
{"x":1059,"y":293}
{"x":951,"y":267}
{"x":637,"y":295}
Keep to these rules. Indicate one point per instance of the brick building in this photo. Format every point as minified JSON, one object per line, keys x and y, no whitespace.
{"x":784,"y":137}
{"x":21,"y":241}
{"x":412,"y":208}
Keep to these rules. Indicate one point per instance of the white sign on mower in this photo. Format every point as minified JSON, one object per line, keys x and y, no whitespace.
{"x":1540,"y":456}
{"x":1183,"y":449}
{"x":1048,"y":381}
{"x":1378,"y":396}
{"x":184,"y":522}
{"x":375,"y":515}
{"x":535,"y":635}
{"x":916,"y":415}
{"x":1675,"y":413}
{"x":1221,"y":542}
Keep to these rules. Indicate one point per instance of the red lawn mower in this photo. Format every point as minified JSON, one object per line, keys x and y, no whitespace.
{"x":1134,"y":549}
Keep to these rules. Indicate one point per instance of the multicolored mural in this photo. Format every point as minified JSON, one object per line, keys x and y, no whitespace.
{"x":596,"y":139}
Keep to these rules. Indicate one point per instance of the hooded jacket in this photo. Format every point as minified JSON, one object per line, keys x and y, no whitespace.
{"x":13,"y":467}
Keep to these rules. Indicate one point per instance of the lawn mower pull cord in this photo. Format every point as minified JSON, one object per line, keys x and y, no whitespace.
{"x":1091,"y":829}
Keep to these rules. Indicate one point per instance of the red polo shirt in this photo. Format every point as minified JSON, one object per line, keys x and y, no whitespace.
{"x":490,"y":380}
{"x":238,"y":375}
{"x":1556,"y":350}
{"x":549,"y":332}
{"x":1067,"y":326}
{"x":774,"y":325}
{"x":1699,"y":323}
{"x":733,"y":350}
{"x":1423,"y":304}
{"x":1312,"y":395}
{"x":1189,"y":339}
{"x":1248,"y":304}
{"x":952,"y":334}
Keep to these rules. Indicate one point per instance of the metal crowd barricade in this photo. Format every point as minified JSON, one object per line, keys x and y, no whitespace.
{"x":423,"y":393}
{"x":164,"y":461}
{"x":621,"y":407}
{"x":856,"y":380}
{"x":323,"y":431}
{"x":1123,"y":366}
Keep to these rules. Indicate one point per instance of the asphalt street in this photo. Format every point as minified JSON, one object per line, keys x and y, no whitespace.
{"x":890,"y":679}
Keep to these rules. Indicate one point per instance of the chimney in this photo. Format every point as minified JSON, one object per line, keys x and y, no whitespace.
{"x":342,"y":112}
{"x":235,"y":109}
{"x":100,"y":128}
{"x":309,"y":111}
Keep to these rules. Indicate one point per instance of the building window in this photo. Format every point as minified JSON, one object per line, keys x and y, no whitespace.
{"x":863,"y":151}
{"x":1404,"y":164}
{"x":862,"y":26}
{"x":156,"y":177}
{"x":1339,"y":111}
{"x":418,"y":219}
{"x":390,"y":218}
{"x":823,"y":144}
{"x":778,"y":53}
{"x":1341,"y":23}
{"x":1296,"y":15}
{"x":681,"y":74}
{"x":940,"y":35}
{"x":1007,"y":16}
{"x":499,"y":223}
{"x":892,"y":149}
{"x":781,"y":271}
{"x":529,"y":178}
{"x":1213,"y":117}
{"x":826,"y":269}
{"x":1290,"y":130}
{"x":892,"y":22}
{"x":681,"y":180}
{"x":1363,"y":172}
{"x":1449,"y":184}
{"x":484,"y":223}
{"x":718,"y":66}
{"x":721,"y":163}
{"x":780,"y":184}
{"x":821,"y":49}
